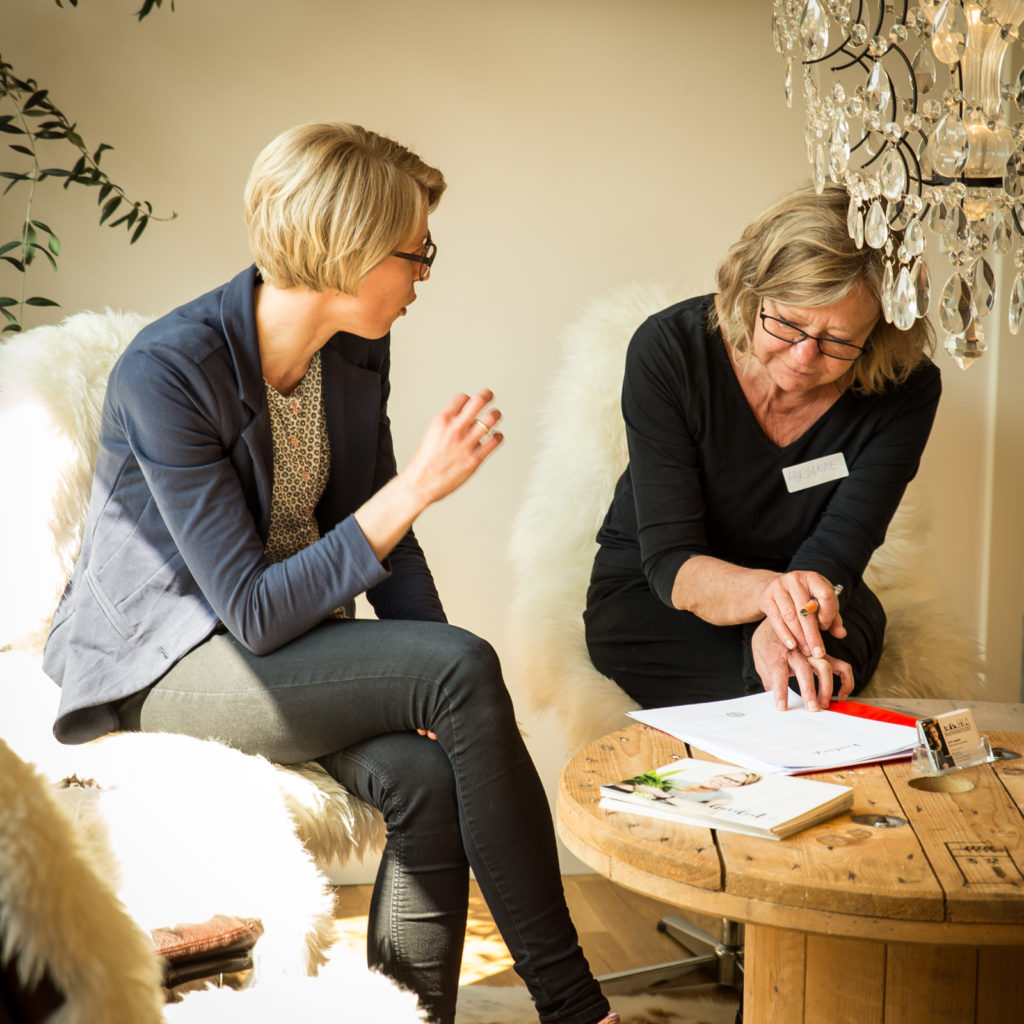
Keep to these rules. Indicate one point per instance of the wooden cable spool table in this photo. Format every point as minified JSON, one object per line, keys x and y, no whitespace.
{"x":845,"y":922}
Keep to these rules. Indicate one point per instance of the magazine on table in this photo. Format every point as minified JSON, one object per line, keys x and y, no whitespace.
{"x":728,"y":797}
{"x":752,"y":732}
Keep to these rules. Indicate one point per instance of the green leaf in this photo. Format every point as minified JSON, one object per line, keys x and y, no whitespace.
{"x":128,"y":218}
{"x":148,"y":5}
{"x":17,"y":264}
{"x":9,"y":246}
{"x":35,"y":99}
{"x":54,"y":244}
{"x":75,"y":139}
{"x":7,"y":301}
{"x":47,"y":254}
{"x":111,"y":206}
{"x":11,"y":129}
{"x":139,"y":228}
{"x":100,"y":150}
{"x":38,"y":300}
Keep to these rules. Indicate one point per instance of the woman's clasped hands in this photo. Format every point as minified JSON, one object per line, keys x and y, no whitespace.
{"x":789,"y":644}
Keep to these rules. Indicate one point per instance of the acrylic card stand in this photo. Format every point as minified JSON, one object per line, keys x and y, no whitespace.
{"x":949,"y":743}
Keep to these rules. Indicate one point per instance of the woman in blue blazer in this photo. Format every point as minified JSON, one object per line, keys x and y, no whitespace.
{"x":245,"y":493}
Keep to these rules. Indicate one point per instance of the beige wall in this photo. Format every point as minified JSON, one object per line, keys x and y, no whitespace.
{"x":587,"y":143}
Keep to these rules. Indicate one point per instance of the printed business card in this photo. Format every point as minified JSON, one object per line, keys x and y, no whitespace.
{"x":950,"y":740}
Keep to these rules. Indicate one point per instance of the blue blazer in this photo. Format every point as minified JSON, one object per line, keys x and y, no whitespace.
{"x":180,"y":510}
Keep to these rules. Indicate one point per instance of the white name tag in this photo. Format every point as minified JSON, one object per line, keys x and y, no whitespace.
{"x":817,"y":471}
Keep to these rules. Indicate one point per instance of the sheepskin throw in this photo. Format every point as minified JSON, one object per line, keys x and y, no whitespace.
{"x":927,"y":652}
{"x":52,"y":382}
{"x":61,"y":915}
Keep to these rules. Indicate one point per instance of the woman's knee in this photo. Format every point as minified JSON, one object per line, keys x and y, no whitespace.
{"x":476,"y":670}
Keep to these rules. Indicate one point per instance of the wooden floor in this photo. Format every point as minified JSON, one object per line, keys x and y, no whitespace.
{"x":617,"y":928}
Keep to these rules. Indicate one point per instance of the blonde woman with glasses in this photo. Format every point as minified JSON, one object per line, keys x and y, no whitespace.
{"x":245,"y":493}
{"x":772,"y":430}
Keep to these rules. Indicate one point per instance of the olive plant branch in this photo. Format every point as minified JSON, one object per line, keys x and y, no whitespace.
{"x":32,"y":104}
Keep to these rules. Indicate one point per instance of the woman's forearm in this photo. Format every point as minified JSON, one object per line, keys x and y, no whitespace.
{"x":720,"y":592}
{"x":386,"y":517}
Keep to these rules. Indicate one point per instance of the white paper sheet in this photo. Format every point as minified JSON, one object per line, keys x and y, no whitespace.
{"x":750,"y":731}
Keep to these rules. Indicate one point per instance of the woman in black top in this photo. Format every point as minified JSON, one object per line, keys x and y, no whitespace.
{"x":772,"y":428}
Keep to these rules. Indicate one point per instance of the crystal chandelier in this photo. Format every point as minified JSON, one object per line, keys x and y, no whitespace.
{"x":917,"y":112}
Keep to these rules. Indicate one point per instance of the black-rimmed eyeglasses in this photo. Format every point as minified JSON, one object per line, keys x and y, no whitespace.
{"x":793,"y":335}
{"x":425,"y":258}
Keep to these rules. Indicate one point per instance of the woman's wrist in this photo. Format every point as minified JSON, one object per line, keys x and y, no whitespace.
{"x":387,"y":516}
{"x":720,"y":592}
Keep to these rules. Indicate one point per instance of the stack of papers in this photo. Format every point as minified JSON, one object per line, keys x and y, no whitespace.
{"x":752,"y":732}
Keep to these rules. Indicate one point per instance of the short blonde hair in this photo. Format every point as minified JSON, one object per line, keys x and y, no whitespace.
{"x":326,"y":202}
{"x":799,"y":252}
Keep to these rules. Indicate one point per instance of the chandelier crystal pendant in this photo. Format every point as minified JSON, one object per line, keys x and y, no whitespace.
{"x":918,"y":111}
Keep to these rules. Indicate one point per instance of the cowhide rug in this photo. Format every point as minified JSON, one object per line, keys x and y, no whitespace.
{"x":343,"y":986}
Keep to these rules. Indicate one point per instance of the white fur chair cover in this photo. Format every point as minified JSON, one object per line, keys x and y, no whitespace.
{"x":552,"y":546}
{"x":166,"y":801}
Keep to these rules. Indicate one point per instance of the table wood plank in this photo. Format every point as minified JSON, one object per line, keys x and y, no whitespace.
{"x":1010,"y":773}
{"x":998,"y":1001}
{"x":861,"y":996}
{"x":775,"y":962}
{"x":840,"y":866}
{"x":930,"y":983}
{"x":974,"y":840}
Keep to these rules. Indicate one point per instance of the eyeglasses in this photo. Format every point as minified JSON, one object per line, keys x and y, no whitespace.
{"x":425,"y":259}
{"x":793,"y":335}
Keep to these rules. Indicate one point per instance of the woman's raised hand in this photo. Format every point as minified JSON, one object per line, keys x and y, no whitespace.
{"x":455,"y":444}
{"x":460,"y":437}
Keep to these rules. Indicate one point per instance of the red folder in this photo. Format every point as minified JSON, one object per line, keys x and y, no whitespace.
{"x":858,"y":710}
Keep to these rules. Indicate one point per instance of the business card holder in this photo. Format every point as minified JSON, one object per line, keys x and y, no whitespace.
{"x":926,"y":761}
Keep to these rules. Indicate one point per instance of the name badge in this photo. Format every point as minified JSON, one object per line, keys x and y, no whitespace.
{"x":817,"y":471}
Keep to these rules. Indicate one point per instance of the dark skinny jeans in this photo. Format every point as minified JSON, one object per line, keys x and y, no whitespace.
{"x":352,"y":695}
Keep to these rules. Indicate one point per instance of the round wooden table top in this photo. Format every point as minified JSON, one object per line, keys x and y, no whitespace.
{"x":953,"y":874}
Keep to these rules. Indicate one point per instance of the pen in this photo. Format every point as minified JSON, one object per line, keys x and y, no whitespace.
{"x":812,"y":606}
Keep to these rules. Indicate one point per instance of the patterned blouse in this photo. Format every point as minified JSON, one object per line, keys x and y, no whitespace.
{"x":302,"y":457}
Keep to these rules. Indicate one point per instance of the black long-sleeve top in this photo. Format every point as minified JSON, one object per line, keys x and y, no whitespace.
{"x":703,"y":478}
